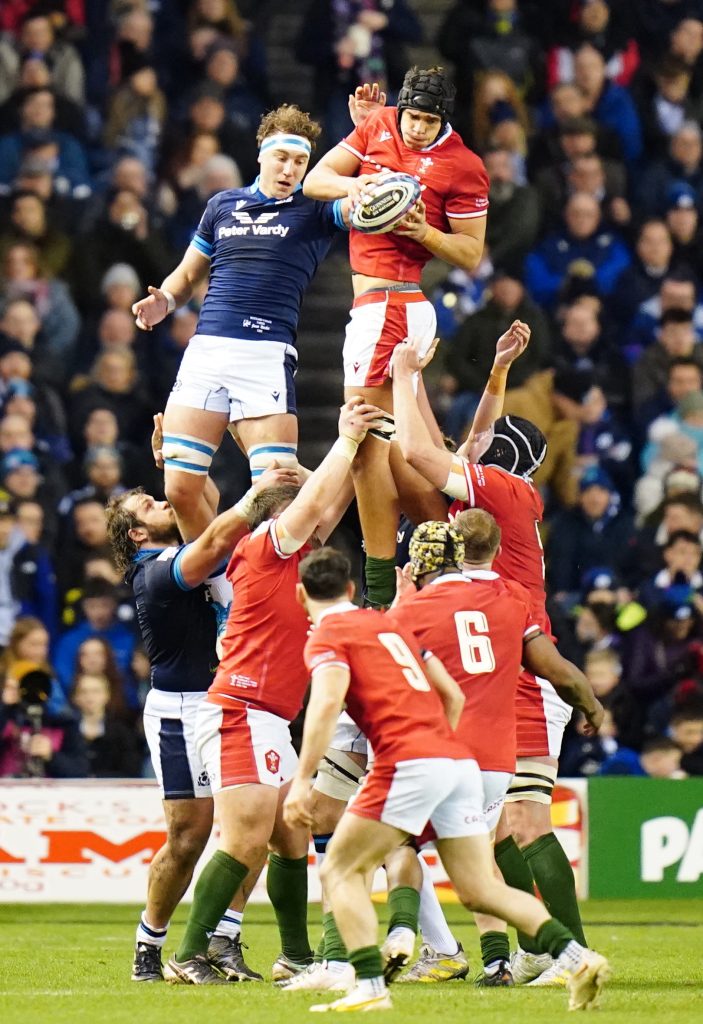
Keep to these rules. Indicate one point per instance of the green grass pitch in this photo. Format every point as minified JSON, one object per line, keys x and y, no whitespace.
{"x":66,"y":963}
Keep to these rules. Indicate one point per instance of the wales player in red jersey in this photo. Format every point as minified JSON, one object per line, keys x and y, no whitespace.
{"x":422,"y":773}
{"x":449,"y":221}
{"x":483,"y":629}
{"x":242,"y":729}
{"x":494,"y":472}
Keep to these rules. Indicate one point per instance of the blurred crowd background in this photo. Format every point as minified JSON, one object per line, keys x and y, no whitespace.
{"x":120,"y":118}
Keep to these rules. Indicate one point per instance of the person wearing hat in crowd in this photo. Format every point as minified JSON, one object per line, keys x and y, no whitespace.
{"x":99,"y":606}
{"x":672,"y":470}
{"x":684,"y":223}
{"x":660,"y":758}
{"x":595,"y":532}
{"x":137,"y":110}
{"x":684,"y":162}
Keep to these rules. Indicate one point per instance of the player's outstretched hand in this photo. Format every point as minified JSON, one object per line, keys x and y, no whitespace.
{"x":594,"y":719}
{"x":297,"y":809}
{"x":157,"y":440}
{"x":365,"y":100}
{"x":275,"y":476}
{"x":152,"y":310}
{"x":414,"y":224}
{"x":357,"y":416}
{"x":512,"y":344}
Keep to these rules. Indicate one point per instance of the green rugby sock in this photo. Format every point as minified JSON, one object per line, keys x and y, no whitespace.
{"x":553,"y":937}
{"x":494,"y":947}
{"x":404,"y":908}
{"x":380,"y":580}
{"x":287,"y":887}
{"x":367,"y":962}
{"x":334,"y":947}
{"x":214,"y":891}
{"x":554,"y":877}
{"x":516,"y":872}
{"x":319,"y":954}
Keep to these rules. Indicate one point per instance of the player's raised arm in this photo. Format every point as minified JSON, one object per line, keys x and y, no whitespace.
{"x":509,"y":347}
{"x":203,"y":556}
{"x":541,"y":657}
{"x":335,"y":177}
{"x":175,"y":290}
{"x":413,"y":436}
{"x":462,"y":246}
{"x":298,"y":522}
{"x":327,"y":691}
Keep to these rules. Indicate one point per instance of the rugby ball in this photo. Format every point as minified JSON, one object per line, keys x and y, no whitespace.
{"x":388,"y":202}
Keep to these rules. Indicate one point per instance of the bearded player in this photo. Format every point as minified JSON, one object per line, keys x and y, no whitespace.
{"x":449,"y":221}
{"x":498,"y":479}
{"x":422,"y":772}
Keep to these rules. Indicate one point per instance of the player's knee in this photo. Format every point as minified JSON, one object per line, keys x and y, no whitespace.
{"x":187,"y":841}
{"x":528,"y":821}
{"x":261,"y":456}
{"x":184,"y":491}
{"x":187,"y":462}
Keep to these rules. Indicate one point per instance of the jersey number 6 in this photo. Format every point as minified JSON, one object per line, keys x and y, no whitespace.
{"x":474,"y":645}
{"x":403,"y":656}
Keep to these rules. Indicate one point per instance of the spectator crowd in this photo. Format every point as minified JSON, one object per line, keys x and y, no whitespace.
{"x":120,"y":118}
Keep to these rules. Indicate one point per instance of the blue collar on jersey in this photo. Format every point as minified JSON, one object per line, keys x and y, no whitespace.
{"x":146,"y":553}
{"x":258,"y":194}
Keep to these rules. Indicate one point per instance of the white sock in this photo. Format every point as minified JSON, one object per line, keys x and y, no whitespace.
{"x":571,"y":956}
{"x":402,"y":932}
{"x":230,"y":925}
{"x":371,"y":987}
{"x":337,"y":966}
{"x":433,"y":924}
{"x":150,"y":935}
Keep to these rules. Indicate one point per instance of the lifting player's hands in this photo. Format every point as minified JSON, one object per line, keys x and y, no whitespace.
{"x":357,"y":416}
{"x":152,"y":310}
{"x":157,"y":440}
{"x":365,"y":100}
{"x":404,"y":583}
{"x":414,"y":224}
{"x":276,"y":476}
{"x":408,"y":358}
{"x":297,"y":808}
{"x":594,"y":719}
{"x":512,"y":344}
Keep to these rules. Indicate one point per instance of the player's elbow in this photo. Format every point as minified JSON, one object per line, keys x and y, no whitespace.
{"x":311,"y":185}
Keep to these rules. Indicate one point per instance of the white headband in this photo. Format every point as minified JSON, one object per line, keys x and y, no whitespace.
{"x":283,"y":141}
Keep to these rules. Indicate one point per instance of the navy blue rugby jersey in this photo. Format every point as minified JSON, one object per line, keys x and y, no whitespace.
{"x":264,"y":252}
{"x":177,"y":623}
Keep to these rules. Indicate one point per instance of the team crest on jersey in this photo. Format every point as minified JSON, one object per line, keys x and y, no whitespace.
{"x":273,"y":761}
{"x":425,"y":164}
{"x":384,"y":136}
{"x":246,"y":218}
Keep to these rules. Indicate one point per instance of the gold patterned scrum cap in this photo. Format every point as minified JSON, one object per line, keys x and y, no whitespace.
{"x":435,"y":546}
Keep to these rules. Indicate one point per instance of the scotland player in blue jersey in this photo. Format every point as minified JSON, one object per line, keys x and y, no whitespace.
{"x":178,"y":629}
{"x":260,"y":246}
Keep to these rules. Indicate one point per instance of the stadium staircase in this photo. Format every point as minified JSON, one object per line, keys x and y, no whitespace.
{"x":326,"y":306}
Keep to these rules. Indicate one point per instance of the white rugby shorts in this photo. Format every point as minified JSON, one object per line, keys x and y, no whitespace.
{"x":243,"y":745}
{"x":169,"y":727}
{"x":445,"y":792}
{"x":241,"y":378}
{"x":495,"y":788}
{"x":380,"y":320}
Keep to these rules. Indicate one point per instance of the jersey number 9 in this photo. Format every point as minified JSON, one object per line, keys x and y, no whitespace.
{"x":403,"y":656}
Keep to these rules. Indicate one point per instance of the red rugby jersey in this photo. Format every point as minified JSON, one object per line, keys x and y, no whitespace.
{"x":517,"y":507}
{"x":476,"y":625}
{"x":454,"y":183}
{"x":389,"y":695}
{"x":263,"y":662}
